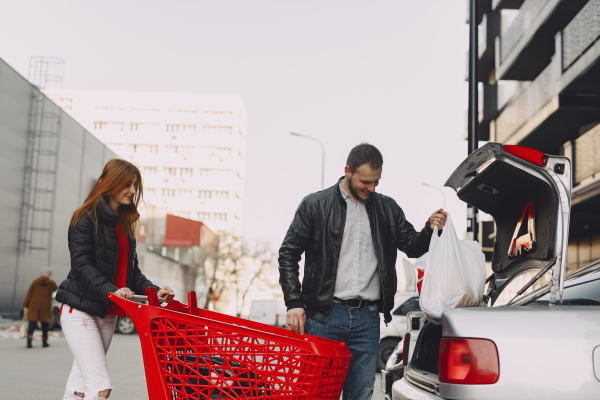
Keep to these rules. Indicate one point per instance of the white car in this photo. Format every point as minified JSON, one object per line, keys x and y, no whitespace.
{"x":392,"y":333}
{"x":543,"y":344}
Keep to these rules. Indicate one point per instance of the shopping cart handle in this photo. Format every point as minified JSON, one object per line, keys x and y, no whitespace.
{"x":137,"y":297}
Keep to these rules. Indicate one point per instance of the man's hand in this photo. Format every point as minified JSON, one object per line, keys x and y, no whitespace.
{"x":438,"y":219}
{"x":295,"y":319}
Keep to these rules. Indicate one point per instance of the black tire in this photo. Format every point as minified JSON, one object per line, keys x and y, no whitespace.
{"x":386,"y":349}
{"x":125,"y":326}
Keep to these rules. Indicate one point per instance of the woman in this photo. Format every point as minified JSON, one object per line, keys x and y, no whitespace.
{"x":38,"y":305}
{"x":103,"y":260}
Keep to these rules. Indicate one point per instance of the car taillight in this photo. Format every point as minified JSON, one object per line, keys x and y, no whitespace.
{"x":405,"y":349}
{"x":525,"y":153}
{"x":468,"y":361}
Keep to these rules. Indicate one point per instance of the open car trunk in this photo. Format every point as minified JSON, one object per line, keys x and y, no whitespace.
{"x":506,"y":182}
{"x":513,"y":184}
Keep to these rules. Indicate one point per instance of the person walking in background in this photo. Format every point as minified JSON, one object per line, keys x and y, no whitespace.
{"x":103,"y":260}
{"x":38,"y":305}
{"x":350,"y":236}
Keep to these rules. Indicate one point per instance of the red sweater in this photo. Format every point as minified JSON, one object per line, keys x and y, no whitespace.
{"x":120,"y":277}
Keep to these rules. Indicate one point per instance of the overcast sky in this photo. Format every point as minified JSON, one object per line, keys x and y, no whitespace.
{"x":387,"y":72}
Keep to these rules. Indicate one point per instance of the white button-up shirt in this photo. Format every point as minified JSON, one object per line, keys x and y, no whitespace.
{"x":357,"y":275}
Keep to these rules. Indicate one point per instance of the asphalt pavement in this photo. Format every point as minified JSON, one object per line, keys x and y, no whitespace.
{"x":41,"y":373}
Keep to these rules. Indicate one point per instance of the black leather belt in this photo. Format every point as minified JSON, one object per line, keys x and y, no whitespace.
{"x":355,"y":303}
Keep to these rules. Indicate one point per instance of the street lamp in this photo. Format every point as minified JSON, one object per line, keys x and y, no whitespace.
{"x":439,"y":190}
{"x":322,"y":156}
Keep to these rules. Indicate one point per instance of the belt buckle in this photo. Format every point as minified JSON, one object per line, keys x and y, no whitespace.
{"x":359,"y":303}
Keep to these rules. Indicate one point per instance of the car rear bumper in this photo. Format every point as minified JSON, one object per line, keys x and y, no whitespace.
{"x":404,"y":391}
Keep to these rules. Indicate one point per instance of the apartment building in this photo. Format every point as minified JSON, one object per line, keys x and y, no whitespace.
{"x":191,"y":148}
{"x":539,"y":86}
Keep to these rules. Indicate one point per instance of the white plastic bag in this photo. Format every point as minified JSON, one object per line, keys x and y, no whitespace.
{"x":454,"y":273}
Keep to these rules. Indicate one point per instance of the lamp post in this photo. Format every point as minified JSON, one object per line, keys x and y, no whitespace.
{"x":473,"y":113}
{"x":439,"y":190}
{"x":322,"y":156}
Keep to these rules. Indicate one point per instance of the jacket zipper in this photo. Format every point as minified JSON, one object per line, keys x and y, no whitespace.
{"x":378,"y":266}
{"x":339,"y":245}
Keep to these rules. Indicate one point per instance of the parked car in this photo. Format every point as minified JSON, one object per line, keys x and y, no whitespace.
{"x":392,"y":333}
{"x":55,"y":320}
{"x":541,"y":338}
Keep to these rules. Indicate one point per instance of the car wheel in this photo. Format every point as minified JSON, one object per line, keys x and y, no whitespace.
{"x":386,"y":349}
{"x":125,"y":325}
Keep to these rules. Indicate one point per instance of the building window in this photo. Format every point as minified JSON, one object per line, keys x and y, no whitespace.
{"x":183,"y":193}
{"x":109,"y":126}
{"x":181,"y":128}
{"x":221,"y":217}
{"x":143,"y":126}
{"x":204,"y":194}
{"x":168,"y":192}
{"x":218,"y":112}
{"x":183,"y":214}
{"x":146,"y":109}
{"x":171,"y":171}
{"x":217,"y":151}
{"x":187,"y":171}
{"x":203,"y":216}
{"x":211,"y":129}
{"x":150,"y":170}
{"x":171,"y":149}
{"x":143,"y":148}
{"x":186,"y":150}
{"x":204,"y":171}
{"x":221,"y":194}
{"x":184,"y":111}
{"x":150,"y":192}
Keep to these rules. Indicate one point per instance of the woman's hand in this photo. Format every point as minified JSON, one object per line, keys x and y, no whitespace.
{"x":125,"y":293}
{"x":166,"y":292}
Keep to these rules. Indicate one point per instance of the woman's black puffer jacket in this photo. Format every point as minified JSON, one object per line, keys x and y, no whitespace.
{"x":93,"y":262}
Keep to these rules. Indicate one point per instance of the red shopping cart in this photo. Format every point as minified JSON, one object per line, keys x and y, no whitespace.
{"x":191,"y":353}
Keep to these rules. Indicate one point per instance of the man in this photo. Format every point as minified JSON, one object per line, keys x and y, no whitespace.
{"x":350,"y":236}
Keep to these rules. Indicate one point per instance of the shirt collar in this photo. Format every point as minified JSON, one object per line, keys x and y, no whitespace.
{"x":346,"y":196}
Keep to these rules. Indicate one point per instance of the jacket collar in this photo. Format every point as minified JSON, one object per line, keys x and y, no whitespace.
{"x":106,"y":213}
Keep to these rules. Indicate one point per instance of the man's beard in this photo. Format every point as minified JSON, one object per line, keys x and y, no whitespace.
{"x":353,"y":191}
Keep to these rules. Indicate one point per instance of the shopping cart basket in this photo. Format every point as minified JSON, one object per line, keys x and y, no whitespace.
{"x":191,"y":353}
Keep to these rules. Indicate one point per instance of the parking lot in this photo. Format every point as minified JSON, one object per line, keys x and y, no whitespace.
{"x":38,"y":373}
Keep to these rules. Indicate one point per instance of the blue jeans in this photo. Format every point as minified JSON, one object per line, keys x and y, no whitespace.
{"x":359,"y":329}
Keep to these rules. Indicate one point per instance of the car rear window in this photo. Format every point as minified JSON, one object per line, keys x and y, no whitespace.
{"x":411,"y":304}
{"x":583,"y":290}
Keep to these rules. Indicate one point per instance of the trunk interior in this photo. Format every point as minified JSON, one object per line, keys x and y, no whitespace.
{"x":428,"y":348}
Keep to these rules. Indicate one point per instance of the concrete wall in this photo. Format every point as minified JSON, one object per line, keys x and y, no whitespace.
{"x":81,"y":158}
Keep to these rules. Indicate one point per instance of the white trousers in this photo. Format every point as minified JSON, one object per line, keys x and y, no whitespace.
{"x":89,"y":338}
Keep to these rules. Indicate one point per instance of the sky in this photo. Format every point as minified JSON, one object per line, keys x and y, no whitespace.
{"x":391,"y":73}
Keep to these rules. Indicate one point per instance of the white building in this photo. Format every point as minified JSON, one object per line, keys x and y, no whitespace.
{"x":190,"y":148}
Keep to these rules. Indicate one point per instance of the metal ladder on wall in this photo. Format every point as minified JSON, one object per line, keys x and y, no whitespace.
{"x":41,"y":162}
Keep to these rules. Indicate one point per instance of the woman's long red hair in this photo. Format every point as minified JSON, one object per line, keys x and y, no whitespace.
{"x":115,"y":176}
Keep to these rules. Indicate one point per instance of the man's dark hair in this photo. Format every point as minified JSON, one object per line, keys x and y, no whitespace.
{"x":364,"y":153}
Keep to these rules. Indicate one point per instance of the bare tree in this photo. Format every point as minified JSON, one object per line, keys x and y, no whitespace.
{"x":236,"y":269}
{"x":258,"y":260}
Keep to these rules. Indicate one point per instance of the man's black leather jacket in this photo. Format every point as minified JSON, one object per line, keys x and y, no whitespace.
{"x":317,"y":231}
